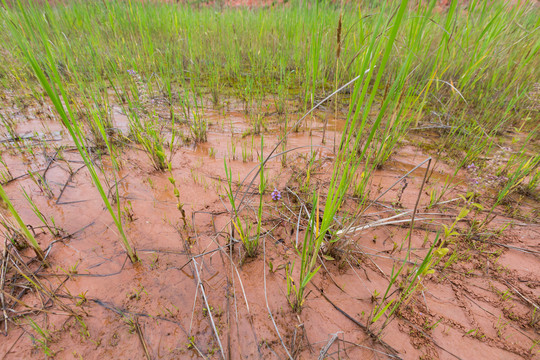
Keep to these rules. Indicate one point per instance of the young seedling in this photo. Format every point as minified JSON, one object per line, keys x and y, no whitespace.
{"x":243,"y":228}
{"x":308,"y":258}
{"x":42,"y":339}
{"x":51,"y":227}
{"x":22,"y":227}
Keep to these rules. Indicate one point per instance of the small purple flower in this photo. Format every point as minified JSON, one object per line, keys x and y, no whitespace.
{"x":132,"y":72}
{"x":472,"y":167}
{"x":276,"y":195}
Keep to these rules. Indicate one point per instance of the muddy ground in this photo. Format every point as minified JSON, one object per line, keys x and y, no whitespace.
{"x":191,"y":282}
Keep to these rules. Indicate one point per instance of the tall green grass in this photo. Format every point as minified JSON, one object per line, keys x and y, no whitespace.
{"x":484,"y":58}
{"x":351,"y":150}
{"x":48,"y":74}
